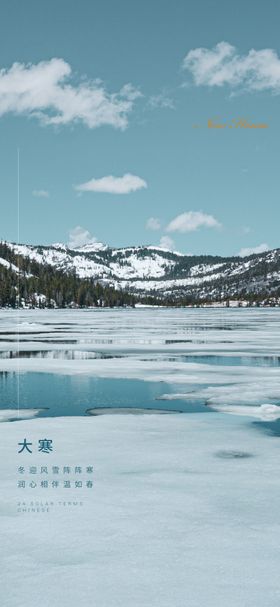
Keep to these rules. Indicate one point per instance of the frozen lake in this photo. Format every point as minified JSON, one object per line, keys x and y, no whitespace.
{"x":184,"y":508}
{"x":68,"y":362}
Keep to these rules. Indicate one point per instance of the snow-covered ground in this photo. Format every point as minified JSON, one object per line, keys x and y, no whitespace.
{"x":183,"y":512}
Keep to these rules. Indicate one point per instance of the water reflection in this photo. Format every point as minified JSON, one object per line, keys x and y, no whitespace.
{"x":65,"y":395}
{"x":57,"y":354}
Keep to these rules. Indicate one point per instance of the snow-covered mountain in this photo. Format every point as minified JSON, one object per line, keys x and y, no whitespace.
{"x":148,"y":269}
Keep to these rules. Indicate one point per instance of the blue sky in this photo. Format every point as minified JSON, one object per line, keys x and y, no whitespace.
{"x":102,"y":104}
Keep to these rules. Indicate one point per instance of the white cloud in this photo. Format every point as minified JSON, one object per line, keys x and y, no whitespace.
{"x":41,"y":193}
{"x":167,"y":243}
{"x":44,"y":90}
{"x":261,"y":248}
{"x":153,"y":223}
{"x":113,"y":185}
{"x":192,"y":221}
{"x":161,"y":101}
{"x":258,"y":70}
{"x":78,"y":237}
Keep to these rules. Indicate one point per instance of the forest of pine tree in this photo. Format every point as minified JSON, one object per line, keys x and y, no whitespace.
{"x":58,"y":288}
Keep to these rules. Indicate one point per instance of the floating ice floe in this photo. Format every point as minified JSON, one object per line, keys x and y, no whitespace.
{"x":128,"y":411}
{"x":18,"y":414}
{"x":264,"y":412}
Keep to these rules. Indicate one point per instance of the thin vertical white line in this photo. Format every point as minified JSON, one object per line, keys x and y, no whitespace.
{"x":18,"y":281}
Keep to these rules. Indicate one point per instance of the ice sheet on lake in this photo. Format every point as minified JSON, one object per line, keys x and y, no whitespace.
{"x":245,"y":331}
{"x":237,"y":390}
{"x":184,"y":512}
{"x":150,"y":344}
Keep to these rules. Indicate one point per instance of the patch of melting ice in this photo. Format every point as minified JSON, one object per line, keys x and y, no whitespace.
{"x":129,"y":411}
{"x":272,"y":427}
{"x":233,"y":454}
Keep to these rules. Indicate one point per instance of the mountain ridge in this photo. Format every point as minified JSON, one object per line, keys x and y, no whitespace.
{"x":149,"y":270}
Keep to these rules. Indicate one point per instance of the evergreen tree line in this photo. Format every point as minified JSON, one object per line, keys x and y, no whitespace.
{"x":59,"y":288}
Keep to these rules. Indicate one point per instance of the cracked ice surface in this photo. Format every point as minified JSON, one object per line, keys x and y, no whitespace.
{"x":223,"y":356}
